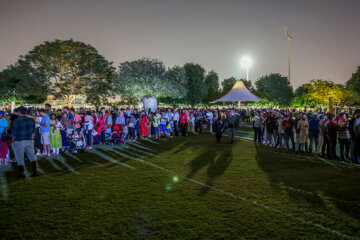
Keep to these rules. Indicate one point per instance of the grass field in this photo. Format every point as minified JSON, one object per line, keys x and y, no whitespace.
{"x":183,"y":188}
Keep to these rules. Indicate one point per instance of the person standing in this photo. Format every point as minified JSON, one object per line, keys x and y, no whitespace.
{"x":281,"y":131}
{"x":314,"y":129}
{"x":210,"y":117}
{"x":88,"y":128}
{"x":45,"y":132}
{"x":344,"y":137}
{"x":55,"y":135}
{"x":176,"y":122}
{"x":48,"y":109}
{"x":353,"y":152}
{"x":288,"y":125}
{"x":301,"y":133}
{"x":325,"y":145}
{"x":230,"y":126}
{"x":218,"y":128}
{"x":270,"y":125}
{"x":144,"y":126}
{"x":4,"y":149}
{"x":183,"y":123}
{"x":257,"y":122}
{"x":23,"y":134}
{"x":332,"y":132}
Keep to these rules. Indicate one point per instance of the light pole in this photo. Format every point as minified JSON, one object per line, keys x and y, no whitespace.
{"x":246,"y":63}
{"x":289,"y":37}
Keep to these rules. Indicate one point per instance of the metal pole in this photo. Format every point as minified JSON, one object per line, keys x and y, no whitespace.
{"x":289,"y":59}
{"x":247,"y":73}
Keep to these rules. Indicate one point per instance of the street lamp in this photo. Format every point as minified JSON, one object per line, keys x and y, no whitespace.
{"x":246,"y":63}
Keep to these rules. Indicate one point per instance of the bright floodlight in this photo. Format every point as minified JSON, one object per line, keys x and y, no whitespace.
{"x":246,"y":63}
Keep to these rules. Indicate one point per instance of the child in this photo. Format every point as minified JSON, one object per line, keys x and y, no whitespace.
{"x":131,"y":126}
{"x":77,"y":140}
{"x":55,"y":138}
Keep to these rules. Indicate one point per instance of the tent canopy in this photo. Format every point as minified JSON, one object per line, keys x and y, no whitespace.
{"x":239,"y":93}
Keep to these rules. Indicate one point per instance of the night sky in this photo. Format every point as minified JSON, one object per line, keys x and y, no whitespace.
{"x":326,"y":33}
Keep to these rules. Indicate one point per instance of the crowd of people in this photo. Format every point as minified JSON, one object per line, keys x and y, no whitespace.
{"x":310,"y":132}
{"x":34,"y":132}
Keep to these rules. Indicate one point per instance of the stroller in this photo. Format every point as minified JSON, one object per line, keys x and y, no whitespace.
{"x":75,"y":142}
{"x":117,"y":134}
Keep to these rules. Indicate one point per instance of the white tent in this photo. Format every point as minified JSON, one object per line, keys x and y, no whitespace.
{"x":239,"y":93}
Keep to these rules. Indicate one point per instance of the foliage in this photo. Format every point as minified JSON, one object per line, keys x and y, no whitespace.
{"x":320,"y":91}
{"x":268,"y":100}
{"x":146,"y":76}
{"x":301,"y":98}
{"x":212,"y":86}
{"x":227,"y":84}
{"x":196,"y":83}
{"x":23,"y":83}
{"x":354,"y":82}
{"x":278,"y":87}
{"x":71,"y":69}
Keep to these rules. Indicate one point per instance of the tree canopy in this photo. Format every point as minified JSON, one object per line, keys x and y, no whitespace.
{"x":212,"y":86}
{"x":146,"y":76}
{"x":70,"y":69}
{"x":320,"y":91}
{"x":227,"y":84}
{"x":277,"y":87}
{"x":196,"y":89}
{"x":354,"y":82}
{"x":22,"y":83}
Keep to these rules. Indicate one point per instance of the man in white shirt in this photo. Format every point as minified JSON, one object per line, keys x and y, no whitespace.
{"x":210,"y":117}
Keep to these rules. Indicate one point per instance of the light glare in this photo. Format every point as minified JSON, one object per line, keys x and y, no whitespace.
{"x":246,"y":62}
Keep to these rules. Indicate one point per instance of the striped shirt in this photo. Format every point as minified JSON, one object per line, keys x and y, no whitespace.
{"x":343,"y":130}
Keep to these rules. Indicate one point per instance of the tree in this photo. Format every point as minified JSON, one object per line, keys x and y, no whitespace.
{"x":196,"y":89}
{"x":278,"y":87}
{"x":144,"y":77}
{"x":22,"y":83}
{"x":354,"y":82}
{"x":320,"y":91}
{"x":212,"y":87}
{"x":301,"y":98}
{"x":71,"y":69}
{"x":227,"y":84}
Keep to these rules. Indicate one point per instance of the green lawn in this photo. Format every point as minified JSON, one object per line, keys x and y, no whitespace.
{"x":183,"y":188}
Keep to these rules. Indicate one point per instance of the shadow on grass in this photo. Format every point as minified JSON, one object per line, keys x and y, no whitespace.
{"x":314,"y":183}
{"x":217,"y":162}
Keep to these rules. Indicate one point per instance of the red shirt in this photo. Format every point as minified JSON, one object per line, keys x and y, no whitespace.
{"x":182,"y":118}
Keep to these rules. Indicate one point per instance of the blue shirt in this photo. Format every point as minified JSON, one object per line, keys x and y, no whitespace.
{"x":3,"y":125}
{"x":314,"y":126}
{"x":163,"y":119}
{"x":45,"y":119}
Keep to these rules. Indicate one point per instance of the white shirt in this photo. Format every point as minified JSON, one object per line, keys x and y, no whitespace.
{"x":176,"y":116}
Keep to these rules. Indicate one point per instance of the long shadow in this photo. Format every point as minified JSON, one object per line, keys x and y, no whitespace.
{"x":314,"y":183}
{"x":217,"y":165}
{"x":217,"y":169}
